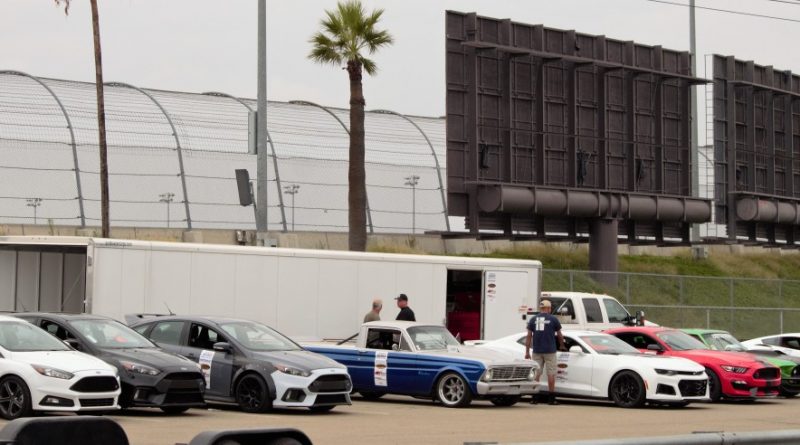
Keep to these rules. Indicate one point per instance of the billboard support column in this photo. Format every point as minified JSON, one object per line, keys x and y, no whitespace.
{"x":603,"y":250}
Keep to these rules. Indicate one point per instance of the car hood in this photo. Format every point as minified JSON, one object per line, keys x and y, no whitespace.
{"x":481,"y":353}
{"x":70,"y":361}
{"x":303,"y":360}
{"x":153,"y":357}
{"x":721,"y":357}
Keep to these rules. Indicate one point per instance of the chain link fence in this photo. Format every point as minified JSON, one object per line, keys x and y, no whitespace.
{"x":172,"y":157}
{"x":746,"y":307}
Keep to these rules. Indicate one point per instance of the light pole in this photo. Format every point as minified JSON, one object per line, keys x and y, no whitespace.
{"x":166,"y":198}
{"x":35,"y":203}
{"x":412,"y":182}
{"x":292,"y":189}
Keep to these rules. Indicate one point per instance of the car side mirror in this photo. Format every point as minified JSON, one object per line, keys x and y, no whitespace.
{"x":576,"y":349}
{"x":222,"y":347}
{"x":73,"y":343}
{"x":654,"y":347}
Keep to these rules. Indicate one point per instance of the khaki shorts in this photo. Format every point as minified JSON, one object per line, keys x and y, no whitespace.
{"x":547,"y":363}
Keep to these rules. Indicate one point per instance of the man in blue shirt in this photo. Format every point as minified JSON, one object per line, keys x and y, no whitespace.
{"x":542,"y":332}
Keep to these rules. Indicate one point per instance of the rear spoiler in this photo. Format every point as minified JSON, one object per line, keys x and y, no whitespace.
{"x":133,"y":318}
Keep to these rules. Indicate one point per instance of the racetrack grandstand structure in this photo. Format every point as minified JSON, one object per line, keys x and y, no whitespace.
{"x":172,"y":157}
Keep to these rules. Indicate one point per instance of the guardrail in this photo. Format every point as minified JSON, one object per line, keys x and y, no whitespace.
{"x":782,"y":437}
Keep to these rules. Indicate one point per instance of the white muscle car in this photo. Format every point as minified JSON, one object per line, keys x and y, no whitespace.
{"x":788,"y":344}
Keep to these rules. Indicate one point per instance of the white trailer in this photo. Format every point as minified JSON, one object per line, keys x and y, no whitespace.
{"x":303,"y":293}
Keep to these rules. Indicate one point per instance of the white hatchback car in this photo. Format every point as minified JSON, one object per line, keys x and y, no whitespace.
{"x":40,"y":373}
{"x":788,"y":344}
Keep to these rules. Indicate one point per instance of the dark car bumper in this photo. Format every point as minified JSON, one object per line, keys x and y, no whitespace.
{"x":177,"y":389}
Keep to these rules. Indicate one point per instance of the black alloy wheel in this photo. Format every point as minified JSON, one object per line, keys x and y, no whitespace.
{"x":627,"y":390}
{"x":15,"y":398}
{"x":252,"y":395}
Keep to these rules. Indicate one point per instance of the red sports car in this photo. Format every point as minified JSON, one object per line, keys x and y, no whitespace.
{"x":730,"y":374}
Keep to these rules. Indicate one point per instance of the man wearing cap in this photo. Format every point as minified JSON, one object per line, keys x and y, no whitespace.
{"x":375,"y":313}
{"x":542,"y":332}
{"x":406,"y":314}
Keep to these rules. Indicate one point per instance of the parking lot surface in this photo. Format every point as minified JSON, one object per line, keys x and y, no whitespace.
{"x":396,"y":420}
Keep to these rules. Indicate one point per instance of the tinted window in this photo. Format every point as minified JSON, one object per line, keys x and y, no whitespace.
{"x":616,"y":313}
{"x":56,"y":329}
{"x":723,"y":342}
{"x":608,"y":344}
{"x":203,"y":337}
{"x":563,"y":308}
{"x":427,"y":338}
{"x":22,"y":336}
{"x":791,"y":342}
{"x":637,"y":340}
{"x":167,"y":332}
{"x":680,"y":341}
{"x":383,"y":338}
{"x":593,"y":313}
{"x":258,"y":337}
{"x":771,"y":341}
{"x":110,"y":334}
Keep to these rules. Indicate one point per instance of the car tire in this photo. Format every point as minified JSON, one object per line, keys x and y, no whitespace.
{"x":504,"y":400}
{"x":15,"y":398}
{"x":453,"y":391}
{"x":252,"y":394}
{"x":627,"y":390}
{"x":372,"y":395}
{"x":714,"y":386}
{"x":786,"y":393}
{"x":174,"y":409}
{"x":321,"y":409}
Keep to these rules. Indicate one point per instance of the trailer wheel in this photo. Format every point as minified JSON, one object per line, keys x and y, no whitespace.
{"x":453,"y":391}
{"x":252,"y":395}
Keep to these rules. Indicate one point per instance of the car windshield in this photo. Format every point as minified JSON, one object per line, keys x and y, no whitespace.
{"x":110,"y":334}
{"x":608,"y":344}
{"x":257,"y":337}
{"x":428,"y":338}
{"x":723,"y":342}
{"x":25,"y":337}
{"x":680,"y":341}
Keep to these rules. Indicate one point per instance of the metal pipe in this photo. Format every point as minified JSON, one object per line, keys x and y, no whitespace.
{"x":262,"y":158}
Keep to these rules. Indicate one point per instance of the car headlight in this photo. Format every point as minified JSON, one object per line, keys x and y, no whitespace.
{"x":292,"y":371}
{"x":53,"y":372}
{"x":734,"y":369}
{"x":666,"y":372}
{"x":487,"y":375}
{"x":138,"y":368}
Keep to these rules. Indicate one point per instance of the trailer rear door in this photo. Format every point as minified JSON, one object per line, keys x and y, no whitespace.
{"x":504,"y":297}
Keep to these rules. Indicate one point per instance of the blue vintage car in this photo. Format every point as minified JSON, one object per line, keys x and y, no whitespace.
{"x":421,"y":360}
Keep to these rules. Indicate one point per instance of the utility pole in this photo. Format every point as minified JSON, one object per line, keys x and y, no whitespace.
{"x":292,"y":189}
{"x":262,"y":159}
{"x":412,"y":182}
{"x":694,"y":236}
{"x":35,"y":203}
{"x":166,"y":198}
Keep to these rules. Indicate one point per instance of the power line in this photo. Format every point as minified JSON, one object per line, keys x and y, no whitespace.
{"x":749,"y":14}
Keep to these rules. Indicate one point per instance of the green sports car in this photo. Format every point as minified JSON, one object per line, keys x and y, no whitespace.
{"x":724,"y":341}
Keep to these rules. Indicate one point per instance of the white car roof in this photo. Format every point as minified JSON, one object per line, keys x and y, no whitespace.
{"x":9,"y":318}
{"x":399,"y":324}
{"x":785,"y":334}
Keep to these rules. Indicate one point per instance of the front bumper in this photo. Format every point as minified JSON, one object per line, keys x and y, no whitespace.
{"x":746,"y":386}
{"x":324,"y":387}
{"x":678,"y":388}
{"x":512,"y":388}
{"x":790,"y":385}
{"x":168,"y":389}
{"x":52,"y":394}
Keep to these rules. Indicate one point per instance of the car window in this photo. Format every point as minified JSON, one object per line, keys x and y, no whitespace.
{"x":56,"y":330}
{"x":427,"y":338}
{"x":608,"y":344}
{"x":142,"y":329}
{"x":258,"y":337}
{"x":771,"y":341}
{"x":569,"y":342}
{"x":680,"y":341}
{"x":616,"y":313}
{"x":723,"y":342}
{"x":593,"y":313}
{"x":25,"y":337}
{"x":791,"y":342}
{"x":167,"y":332}
{"x":383,"y":338}
{"x":636,"y":339}
{"x":203,"y":337}
{"x":563,"y":308}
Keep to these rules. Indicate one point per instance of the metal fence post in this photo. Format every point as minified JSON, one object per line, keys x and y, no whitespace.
{"x":780,"y":323}
{"x":708,"y":318}
{"x":628,"y":288}
{"x":571,"y":281}
{"x":680,"y":289}
{"x":731,"y":297}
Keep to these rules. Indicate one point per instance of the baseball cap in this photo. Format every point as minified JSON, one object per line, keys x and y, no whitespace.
{"x":544,"y":303}
{"x":403,"y":297}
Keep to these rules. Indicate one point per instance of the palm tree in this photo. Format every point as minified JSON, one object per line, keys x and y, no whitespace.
{"x":101,"y":114}
{"x":347,"y":34}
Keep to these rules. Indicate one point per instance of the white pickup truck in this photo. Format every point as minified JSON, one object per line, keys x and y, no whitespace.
{"x":426,"y":361}
{"x":595,"y":312}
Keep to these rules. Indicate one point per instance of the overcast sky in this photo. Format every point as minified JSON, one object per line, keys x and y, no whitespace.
{"x":205,"y":45}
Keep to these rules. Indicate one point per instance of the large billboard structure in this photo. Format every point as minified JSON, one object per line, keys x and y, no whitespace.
{"x":553,"y":134}
{"x":757,"y":152}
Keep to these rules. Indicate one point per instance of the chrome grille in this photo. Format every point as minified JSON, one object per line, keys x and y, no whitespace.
{"x":510,"y":373}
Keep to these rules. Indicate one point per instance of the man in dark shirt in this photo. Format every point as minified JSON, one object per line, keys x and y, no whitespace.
{"x":542,"y":331}
{"x":406,"y":314}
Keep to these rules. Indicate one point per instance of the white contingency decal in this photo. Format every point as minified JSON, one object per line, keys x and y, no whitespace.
{"x":381,"y":368}
{"x":563,"y":366}
{"x":206,"y":358}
